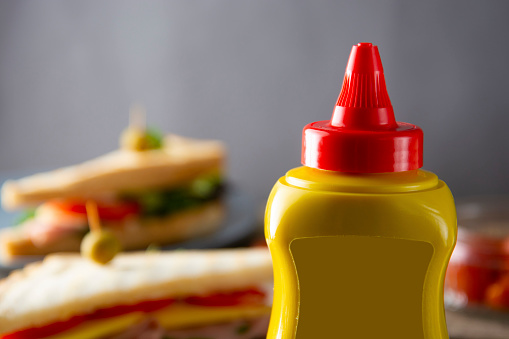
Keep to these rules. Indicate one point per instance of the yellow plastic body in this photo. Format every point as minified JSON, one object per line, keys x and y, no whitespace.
{"x":309,"y":203}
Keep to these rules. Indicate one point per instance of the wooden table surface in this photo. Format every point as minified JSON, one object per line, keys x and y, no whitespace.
{"x":464,"y":325}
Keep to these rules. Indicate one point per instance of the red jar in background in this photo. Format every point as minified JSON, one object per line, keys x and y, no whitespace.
{"x":478,"y":272}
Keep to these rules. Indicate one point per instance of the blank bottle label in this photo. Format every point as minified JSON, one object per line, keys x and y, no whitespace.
{"x":361,"y":287}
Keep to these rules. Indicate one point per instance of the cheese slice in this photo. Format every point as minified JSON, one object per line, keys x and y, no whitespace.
{"x":184,"y":315}
{"x":175,"y":316}
{"x":100,"y":328}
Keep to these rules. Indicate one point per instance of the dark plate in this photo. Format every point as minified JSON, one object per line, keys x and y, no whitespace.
{"x":239,"y":225}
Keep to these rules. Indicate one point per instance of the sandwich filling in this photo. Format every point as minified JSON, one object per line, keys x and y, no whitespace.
{"x":59,"y":218}
{"x":255,"y":328}
{"x":165,"y":316}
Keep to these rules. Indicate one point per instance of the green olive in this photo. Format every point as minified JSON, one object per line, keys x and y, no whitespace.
{"x":136,"y":139}
{"x":100,"y":246}
{"x":133,"y":139}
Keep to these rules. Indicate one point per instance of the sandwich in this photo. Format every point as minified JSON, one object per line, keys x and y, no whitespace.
{"x":224,"y":294}
{"x":153,"y":190}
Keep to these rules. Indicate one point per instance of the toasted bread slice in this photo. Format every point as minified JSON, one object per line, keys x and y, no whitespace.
{"x":133,"y":233}
{"x":179,"y":161}
{"x":66,"y":285}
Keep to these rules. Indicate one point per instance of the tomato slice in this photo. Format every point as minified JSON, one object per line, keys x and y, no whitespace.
{"x":246,"y":297}
{"x":107,"y":210}
{"x":46,"y":331}
{"x":58,"y":327}
{"x":144,"y":306}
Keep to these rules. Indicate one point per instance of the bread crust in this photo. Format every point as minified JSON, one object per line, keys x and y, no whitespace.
{"x":66,"y":285}
{"x":133,"y":233}
{"x":181,"y":160}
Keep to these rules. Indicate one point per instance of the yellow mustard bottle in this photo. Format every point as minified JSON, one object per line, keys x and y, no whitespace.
{"x":360,"y":236}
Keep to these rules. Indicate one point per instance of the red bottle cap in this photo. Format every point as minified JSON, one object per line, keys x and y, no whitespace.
{"x":363,"y":135}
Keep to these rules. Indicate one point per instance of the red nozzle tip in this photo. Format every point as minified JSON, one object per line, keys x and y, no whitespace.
{"x":364,"y":58}
{"x":364,"y":102}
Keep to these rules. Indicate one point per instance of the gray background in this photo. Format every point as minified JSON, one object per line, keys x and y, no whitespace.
{"x":251,"y":73}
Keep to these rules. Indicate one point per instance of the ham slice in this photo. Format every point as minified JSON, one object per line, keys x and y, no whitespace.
{"x":240,"y":329}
